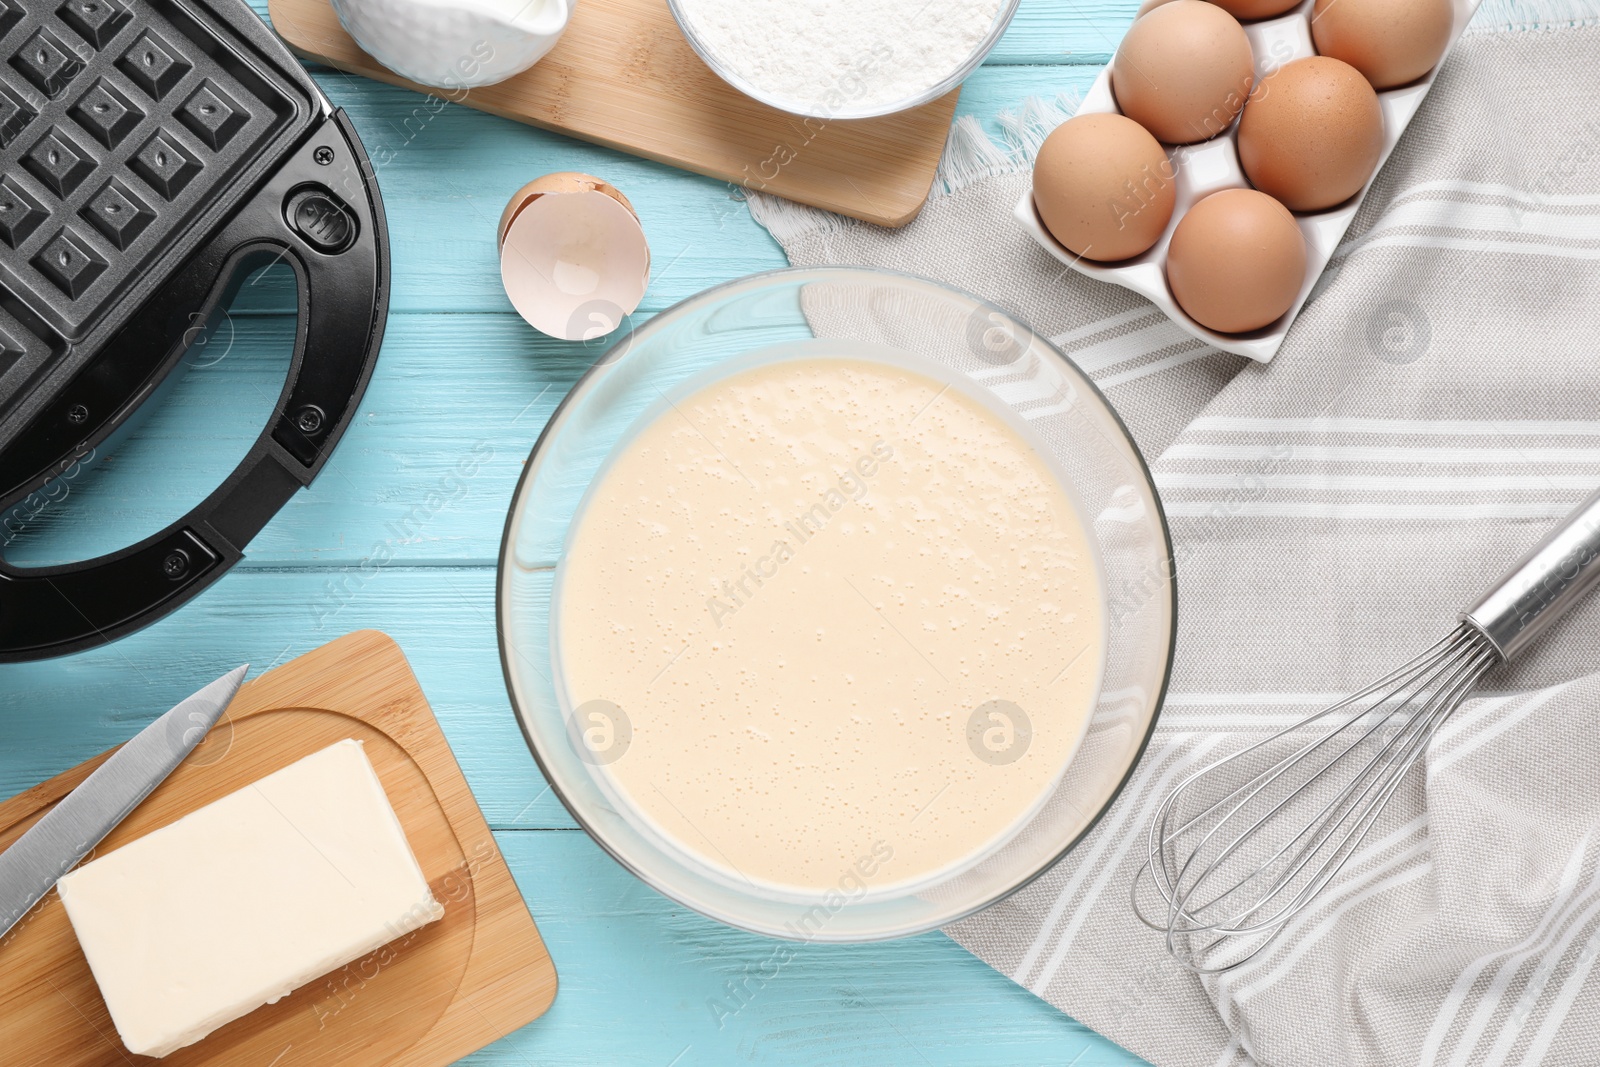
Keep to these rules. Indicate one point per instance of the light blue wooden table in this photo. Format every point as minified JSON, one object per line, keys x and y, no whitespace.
{"x":461,"y":374}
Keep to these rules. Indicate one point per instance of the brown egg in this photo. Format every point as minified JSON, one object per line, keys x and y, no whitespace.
{"x":1255,"y":9}
{"x":1183,"y":71}
{"x":1311,"y":134}
{"x":1104,"y":187}
{"x":1391,"y":42}
{"x":1236,"y":261}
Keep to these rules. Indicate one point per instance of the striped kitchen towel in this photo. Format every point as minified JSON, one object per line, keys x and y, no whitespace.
{"x":1435,"y":409}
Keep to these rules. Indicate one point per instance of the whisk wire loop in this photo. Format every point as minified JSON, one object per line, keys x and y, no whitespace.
{"x":1243,"y":846}
{"x":1234,"y":871}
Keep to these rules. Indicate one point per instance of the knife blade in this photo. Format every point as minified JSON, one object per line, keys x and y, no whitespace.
{"x":30,"y":868}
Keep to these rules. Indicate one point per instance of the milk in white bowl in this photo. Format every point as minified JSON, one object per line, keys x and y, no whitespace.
{"x":455,"y":44}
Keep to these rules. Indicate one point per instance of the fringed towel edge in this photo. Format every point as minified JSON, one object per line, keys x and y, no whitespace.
{"x":1509,"y":16}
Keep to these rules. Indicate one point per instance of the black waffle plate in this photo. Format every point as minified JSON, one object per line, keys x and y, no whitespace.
{"x":154,"y":153}
{"x":122,"y":124}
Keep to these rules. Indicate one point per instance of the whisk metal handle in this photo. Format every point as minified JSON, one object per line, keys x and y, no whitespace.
{"x":1544,"y":584}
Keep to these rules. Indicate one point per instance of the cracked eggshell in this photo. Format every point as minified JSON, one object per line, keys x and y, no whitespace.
{"x":573,"y":256}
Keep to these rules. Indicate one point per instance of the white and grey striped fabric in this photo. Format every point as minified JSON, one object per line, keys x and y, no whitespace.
{"x":1436,"y":408}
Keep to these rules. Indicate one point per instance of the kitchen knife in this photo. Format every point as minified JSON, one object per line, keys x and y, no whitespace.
{"x":53,"y":846}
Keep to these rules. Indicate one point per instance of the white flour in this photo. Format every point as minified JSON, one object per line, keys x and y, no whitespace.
{"x":831,"y":57}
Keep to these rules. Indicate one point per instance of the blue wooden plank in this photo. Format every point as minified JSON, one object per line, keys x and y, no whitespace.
{"x":644,"y":981}
{"x":442,"y":215}
{"x":55,"y":714}
{"x":425,"y":471}
{"x":463,"y":382}
{"x":1079,"y":32}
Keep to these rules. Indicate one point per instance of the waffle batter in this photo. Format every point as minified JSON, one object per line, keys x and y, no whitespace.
{"x":849,"y":613}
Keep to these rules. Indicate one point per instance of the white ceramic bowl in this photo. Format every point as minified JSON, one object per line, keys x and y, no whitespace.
{"x":455,"y":44}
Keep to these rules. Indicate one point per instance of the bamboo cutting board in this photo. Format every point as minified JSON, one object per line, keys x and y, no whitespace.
{"x":623,"y":76}
{"x":423,"y":1001}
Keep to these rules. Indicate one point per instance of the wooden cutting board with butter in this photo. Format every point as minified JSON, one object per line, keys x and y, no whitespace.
{"x":424,"y":999}
{"x":624,"y":77}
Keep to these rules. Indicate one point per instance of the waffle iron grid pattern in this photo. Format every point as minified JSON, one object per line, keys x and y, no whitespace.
{"x":119,"y":122}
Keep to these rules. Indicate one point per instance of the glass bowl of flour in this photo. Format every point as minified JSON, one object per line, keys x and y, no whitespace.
{"x":836,"y":604}
{"x":843,"y":59}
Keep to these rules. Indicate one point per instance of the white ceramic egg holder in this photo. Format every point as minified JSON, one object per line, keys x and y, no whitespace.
{"x":1205,"y":168}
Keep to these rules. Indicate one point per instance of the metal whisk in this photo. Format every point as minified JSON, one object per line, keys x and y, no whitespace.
{"x":1240,"y":848}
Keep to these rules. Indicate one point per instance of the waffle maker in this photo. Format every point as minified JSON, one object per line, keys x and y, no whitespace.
{"x":152,"y":154}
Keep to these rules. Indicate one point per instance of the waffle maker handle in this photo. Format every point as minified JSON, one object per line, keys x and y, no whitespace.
{"x":321,"y":214}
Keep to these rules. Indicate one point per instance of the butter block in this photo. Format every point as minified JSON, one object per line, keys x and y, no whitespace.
{"x":238,"y":904}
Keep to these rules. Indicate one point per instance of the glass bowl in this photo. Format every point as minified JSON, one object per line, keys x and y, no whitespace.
{"x":820,"y":109}
{"x":948,"y":335}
